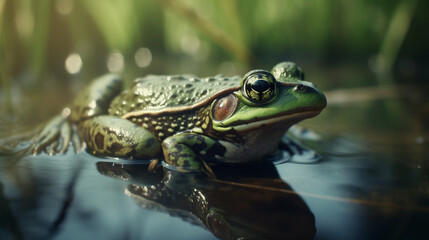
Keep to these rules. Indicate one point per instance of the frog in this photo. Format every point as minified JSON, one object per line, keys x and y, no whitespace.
{"x":187,"y":121}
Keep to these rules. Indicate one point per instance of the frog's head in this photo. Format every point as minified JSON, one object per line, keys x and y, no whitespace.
{"x":263,"y":100}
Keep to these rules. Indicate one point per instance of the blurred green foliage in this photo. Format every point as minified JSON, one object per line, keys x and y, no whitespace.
{"x":204,"y":37}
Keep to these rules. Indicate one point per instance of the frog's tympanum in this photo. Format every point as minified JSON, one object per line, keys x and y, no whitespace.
{"x":191,"y":122}
{"x":246,"y":201}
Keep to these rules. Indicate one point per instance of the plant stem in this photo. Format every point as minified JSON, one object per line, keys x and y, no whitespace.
{"x":211,"y":30}
{"x":40,"y":36}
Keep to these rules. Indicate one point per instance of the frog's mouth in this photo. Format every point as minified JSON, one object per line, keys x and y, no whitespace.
{"x":289,"y":118}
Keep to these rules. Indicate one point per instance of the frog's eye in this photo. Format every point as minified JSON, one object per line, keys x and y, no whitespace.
{"x":224,"y":107}
{"x":259,"y":86}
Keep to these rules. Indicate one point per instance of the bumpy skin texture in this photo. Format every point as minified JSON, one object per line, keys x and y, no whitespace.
{"x":161,"y":92}
{"x":287,"y":71}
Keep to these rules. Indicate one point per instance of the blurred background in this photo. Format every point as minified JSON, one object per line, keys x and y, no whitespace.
{"x":75,"y":39}
{"x":55,"y":47}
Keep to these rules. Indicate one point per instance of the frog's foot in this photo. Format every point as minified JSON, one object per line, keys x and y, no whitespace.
{"x":298,"y":153}
{"x":52,"y":138}
{"x":55,"y":138}
{"x":185,"y":152}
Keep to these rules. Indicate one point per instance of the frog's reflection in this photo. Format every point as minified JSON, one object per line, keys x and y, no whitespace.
{"x":245,"y":201}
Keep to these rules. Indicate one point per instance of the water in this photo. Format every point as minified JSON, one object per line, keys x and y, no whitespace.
{"x":372,"y":184}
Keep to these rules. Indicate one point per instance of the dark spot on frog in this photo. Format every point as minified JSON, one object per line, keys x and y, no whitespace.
{"x":132,"y":153}
{"x":179,"y":148}
{"x":204,"y":92}
{"x":99,"y":140}
{"x":111,"y":132}
{"x":99,"y":103}
{"x":186,"y":164}
{"x":216,"y":149}
{"x":179,"y":77}
{"x":149,"y":143}
{"x":115,"y":147}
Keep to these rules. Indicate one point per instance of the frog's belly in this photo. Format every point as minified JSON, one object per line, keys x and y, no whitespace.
{"x":235,"y":154}
{"x":256,"y":145}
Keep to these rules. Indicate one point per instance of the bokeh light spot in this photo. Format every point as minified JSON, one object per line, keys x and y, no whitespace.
{"x":115,"y":62}
{"x":143,"y":57}
{"x":73,"y":63}
{"x":190,"y":44}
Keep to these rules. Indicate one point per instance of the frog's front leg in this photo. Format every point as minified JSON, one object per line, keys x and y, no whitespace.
{"x":185,"y":150}
{"x":117,"y":137}
{"x":94,"y":100}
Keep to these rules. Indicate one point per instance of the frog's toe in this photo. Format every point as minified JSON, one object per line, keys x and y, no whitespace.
{"x":77,"y":143}
{"x":306,"y":156}
{"x":54,"y":138}
{"x":65,"y":137}
{"x":299,"y":154}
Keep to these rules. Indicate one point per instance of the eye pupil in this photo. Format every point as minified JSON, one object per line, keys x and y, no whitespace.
{"x":258,"y":86}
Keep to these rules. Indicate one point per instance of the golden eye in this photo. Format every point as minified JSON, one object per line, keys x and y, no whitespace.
{"x":259,"y":86}
{"x":224,"y":107}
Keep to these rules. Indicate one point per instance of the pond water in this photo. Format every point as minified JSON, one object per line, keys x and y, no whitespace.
{"x":373,"y":183}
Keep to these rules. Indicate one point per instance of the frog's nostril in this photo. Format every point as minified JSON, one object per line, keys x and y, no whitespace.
{"x":300,"y":88}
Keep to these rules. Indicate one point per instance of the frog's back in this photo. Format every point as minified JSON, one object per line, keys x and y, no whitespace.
{"x":162,"y":92}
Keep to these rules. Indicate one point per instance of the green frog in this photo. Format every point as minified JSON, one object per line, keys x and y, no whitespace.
{"x":189,"y":121}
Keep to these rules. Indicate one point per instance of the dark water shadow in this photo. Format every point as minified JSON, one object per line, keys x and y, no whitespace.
{"x":245,"y":201}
